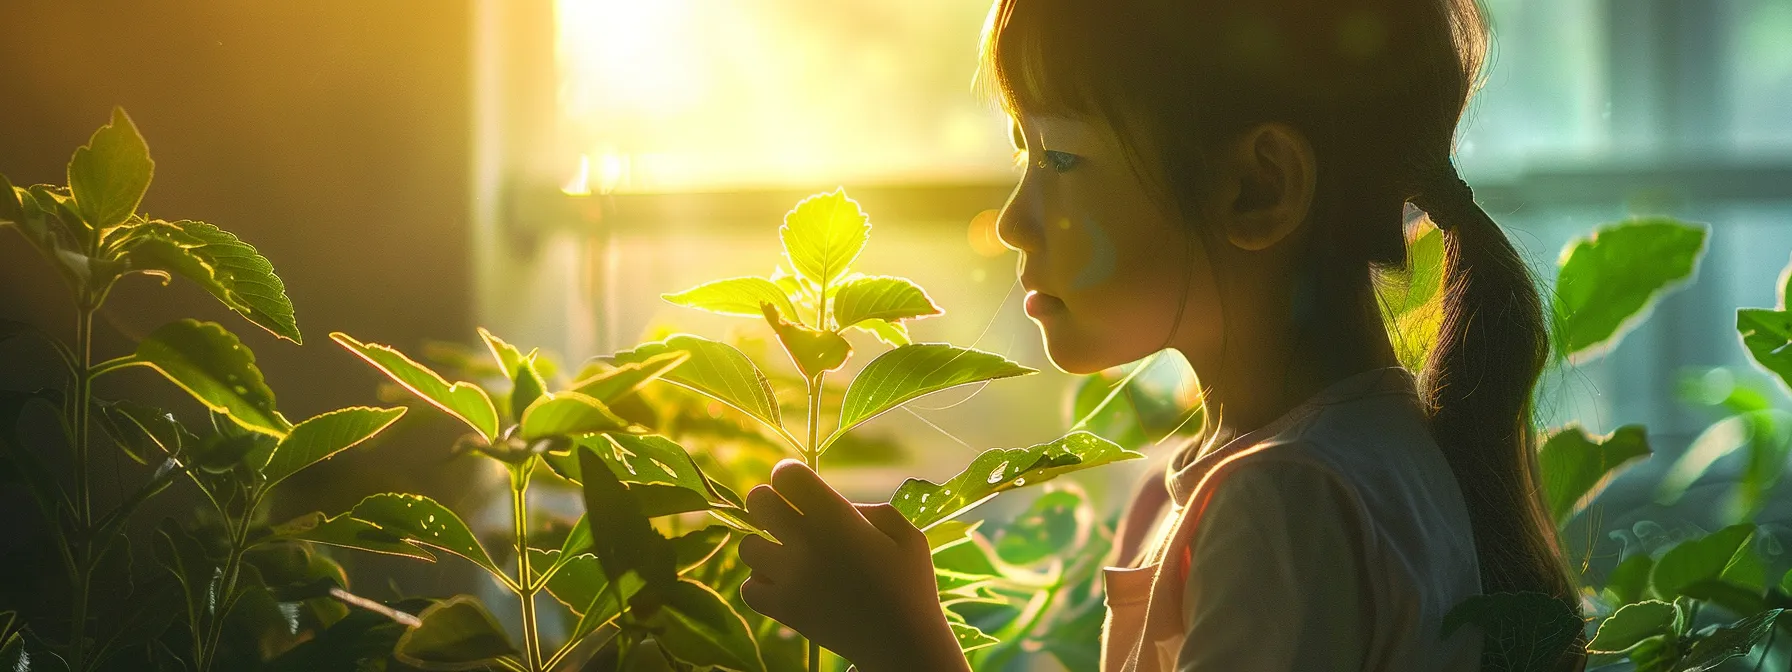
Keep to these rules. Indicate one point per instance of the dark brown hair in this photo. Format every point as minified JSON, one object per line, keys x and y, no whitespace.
{"x":1378,"y":87}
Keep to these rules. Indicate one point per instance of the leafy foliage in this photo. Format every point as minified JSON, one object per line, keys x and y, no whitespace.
{"x":925,"y":503}
{"x":1608,"y":280}
{"x":1575,"y":465}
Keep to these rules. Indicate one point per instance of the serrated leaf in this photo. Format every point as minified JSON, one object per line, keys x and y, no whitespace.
{"x":698,"y":627}
{"x":214,"y":367}
{"x":823,"y":234}
{"x":228,"y":268}
{"x":612,"y":383}
{"x":1608,"y":281}
{"x":881,"y":297}
{"x":109,"y":174}
{"x":454,"y":634}
{"x":1001,"y":469}
{"x":813,"y":352}
{"x":1576,"y":466}
{"x":1632,"y":624}
{"x":734,"y":296}
{"x":1767,"y":334}
{"x":462,"y":400}
{"x":422,"y":520}
{"x":905,"y":373}
{"x":1524,"y":632}
{"x":1733,"y":640}
{"x":891,"y":333}
{"x":1724,"y":554}
{"x":568,"y":414}
{"x":324,"y":435}
{"x":346,"y":531}
{"x":716,"y":370}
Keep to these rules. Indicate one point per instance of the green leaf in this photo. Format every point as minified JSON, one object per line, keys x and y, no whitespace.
{"x":454,"y":634}
{"x":734,"y":296}
{"x":11,"y":211}
{"x":422,"y":520}
{"x":621,"y":536}
{"x":613,"y":383}
{"x":506,"y":355}
{"x":141,"y":431}
{"x":823,"y":234}
{"x":1423,"y":277}
{"x":1736,"y":639}
{"x":1724,"y":554}
{"x":1576,"y":466}
{"x":109,"y":174}
{"x":698,"y":627}
{"x":526,"y":385}
{"x":462,"y":400}
{"x":1767,"y":335}
{"x":348,"y":532}
{"x":912,"y":371}
{"x":1632,"y":624}
{"x":1629,"y":581}
{"x":1608,"y":281}
{"x":948,"y":533}
{"x":215,"y":259}
{"x":814,"y":352}
{"x":881,"y":297}
{"x":970,"y":638}
{"x":658,"y":474}
{"x":324,"y":435}
{"x":1001,"y":469}
{"x":715,"y":370}
{"x":891,"y":333}
{"x":568,"y":414}
{"x":1054,"y":522}
{"x":216,"y":369}
{"x":1524,"y":631}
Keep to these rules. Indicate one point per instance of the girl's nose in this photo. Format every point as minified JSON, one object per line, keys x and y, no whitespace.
{"x":1018,"y":225}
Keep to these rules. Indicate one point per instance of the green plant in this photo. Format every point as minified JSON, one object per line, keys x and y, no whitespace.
{"x":91,"y":234}
{"x":616,"y":572}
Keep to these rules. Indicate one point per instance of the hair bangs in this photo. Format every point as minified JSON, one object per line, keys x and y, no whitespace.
{"x":1034,"y":59}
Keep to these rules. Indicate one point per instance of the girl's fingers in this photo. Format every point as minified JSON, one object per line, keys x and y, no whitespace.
{"x":764,"y":597}
{"x":799,"y":484}
{"x":892,"y":523}
{"x":768,"y":560}
{"x":771,"y":513}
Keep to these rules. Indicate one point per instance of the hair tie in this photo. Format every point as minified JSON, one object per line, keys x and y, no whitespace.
{"x":1447,"y":198}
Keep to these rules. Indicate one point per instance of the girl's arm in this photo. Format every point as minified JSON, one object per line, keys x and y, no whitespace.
{"x":856,"y":579}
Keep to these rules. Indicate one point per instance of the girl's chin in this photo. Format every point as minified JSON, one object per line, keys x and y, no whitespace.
{"x":1070,"y":357}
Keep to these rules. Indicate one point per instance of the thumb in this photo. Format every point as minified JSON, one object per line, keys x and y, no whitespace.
{"x":892,"y":523}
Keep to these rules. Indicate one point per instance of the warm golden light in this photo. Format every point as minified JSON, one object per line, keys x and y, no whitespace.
{"x":700,"y":95}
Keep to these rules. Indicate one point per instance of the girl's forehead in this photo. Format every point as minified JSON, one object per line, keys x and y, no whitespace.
{"x":1062,"y":126}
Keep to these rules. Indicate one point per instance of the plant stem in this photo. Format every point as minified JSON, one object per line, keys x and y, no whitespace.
{"x":226,"y":596}
{"x":812,"y":457}
{"x":84,"y":508}
{"x":519,"y":487}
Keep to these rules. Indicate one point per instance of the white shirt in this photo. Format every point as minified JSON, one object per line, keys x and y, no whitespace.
{"x":1334,"y":539}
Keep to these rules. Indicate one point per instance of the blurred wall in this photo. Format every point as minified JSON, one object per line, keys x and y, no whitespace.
{"x":331,"y":134}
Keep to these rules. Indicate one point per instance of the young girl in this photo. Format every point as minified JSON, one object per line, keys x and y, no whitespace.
{"x":1221,"y":177}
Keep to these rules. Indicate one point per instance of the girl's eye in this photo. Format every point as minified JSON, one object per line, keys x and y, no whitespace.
{"x":1061,"y":161}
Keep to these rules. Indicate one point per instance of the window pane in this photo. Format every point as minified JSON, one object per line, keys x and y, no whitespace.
{"x":682,"y":95}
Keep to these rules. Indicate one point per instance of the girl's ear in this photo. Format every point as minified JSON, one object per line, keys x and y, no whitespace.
{"x":1267,"y":180}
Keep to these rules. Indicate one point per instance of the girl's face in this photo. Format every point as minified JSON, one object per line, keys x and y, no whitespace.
{"x":1105,"y":264}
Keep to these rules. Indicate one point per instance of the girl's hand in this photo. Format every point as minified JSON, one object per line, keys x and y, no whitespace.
{"x":856,"y":579}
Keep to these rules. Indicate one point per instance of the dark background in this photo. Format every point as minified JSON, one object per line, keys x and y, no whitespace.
{"x":332,"y":135}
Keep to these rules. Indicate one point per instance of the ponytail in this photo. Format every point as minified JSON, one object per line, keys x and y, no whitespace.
{"x":1491,"y":349}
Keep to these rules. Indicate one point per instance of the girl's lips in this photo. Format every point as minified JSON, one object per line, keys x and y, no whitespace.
{"x":1040,"y":305}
